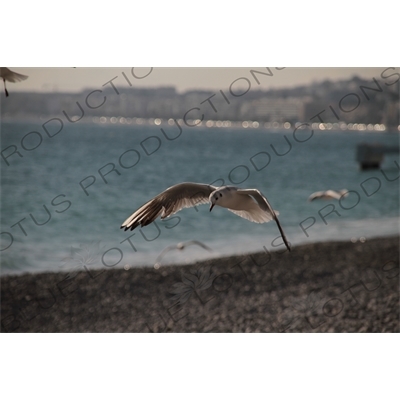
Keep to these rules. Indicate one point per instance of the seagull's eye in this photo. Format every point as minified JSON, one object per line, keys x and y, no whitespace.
{"x":220,"y":195}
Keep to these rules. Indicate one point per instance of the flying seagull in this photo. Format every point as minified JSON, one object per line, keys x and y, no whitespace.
{"x":246,"y":203}
{"x":178,"y":246}
{"x":328,"y":195}
{"x":10,"y":76}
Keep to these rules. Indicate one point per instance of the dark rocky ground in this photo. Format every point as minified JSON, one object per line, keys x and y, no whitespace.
{"x":321,"y":287}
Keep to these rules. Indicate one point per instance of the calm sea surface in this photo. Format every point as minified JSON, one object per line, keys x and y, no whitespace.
{"x":63,"y":201}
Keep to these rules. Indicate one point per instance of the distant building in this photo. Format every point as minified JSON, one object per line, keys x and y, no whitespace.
{"x":274,"y":110}
{"x":348,"y":101}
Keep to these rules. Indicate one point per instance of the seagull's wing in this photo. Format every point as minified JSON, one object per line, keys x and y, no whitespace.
{"x":262,"y":213}
{"x":17,"y":77}
{"x":157,"y":263}
{"x":161,"y":255}
{"x":188,"y":243}
{"x":315,"y":195}
{"x":333,"y":195}
{"x":326,"y":195}
{"x":254,"y":214}
{"x":266,"y":207}
{"x":12,"y":76}
{"x":182,"y":195}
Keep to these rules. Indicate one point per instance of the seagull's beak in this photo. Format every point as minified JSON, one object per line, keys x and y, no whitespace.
{"x":212,"y":206}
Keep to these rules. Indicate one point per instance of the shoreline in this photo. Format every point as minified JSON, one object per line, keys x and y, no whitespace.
{"x":182,"y":263}
{"x":319,"y":287}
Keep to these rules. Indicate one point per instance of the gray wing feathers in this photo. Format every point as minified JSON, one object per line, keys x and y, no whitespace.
{"x":16,"y":77}
{"x":12,"y":76}
{"x":172,"y":200}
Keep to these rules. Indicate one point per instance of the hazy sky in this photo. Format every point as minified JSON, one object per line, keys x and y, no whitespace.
{"x":76,"y":79}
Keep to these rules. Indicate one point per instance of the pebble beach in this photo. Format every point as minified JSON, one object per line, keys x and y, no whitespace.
{"x":319,"y":287}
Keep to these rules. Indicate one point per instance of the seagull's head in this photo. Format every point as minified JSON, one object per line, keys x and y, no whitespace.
{"x":216,"y":197}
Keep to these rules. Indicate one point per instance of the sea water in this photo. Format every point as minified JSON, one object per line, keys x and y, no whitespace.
{"x":64,"y":195}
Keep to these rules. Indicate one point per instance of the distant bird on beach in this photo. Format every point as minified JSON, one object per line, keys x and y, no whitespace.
{"x":178,"y":246}
{"x":328,"y":195}
{"x":246,"y":203}
{"x":10,"y":76}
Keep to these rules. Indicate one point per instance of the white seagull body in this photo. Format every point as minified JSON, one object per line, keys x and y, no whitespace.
{"x":247,"y":203}
{"x":10,"y":76}
{"x":328,"y":195}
